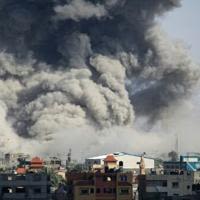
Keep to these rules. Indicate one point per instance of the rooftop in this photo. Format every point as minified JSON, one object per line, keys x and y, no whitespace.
{"x":21,"y":170}
{"x":116,"y":154}
{"x":110,"y":158}
{"x":36,"y":160}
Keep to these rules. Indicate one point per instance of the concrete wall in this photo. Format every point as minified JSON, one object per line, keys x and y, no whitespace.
{"x":29,"y":186}
{"x":185,"y":182}
{"x":79,"y":196}
{"x":106,"y":186}
{"x":130,"y":162}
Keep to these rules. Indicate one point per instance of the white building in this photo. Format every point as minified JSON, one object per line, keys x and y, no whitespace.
{"x":130,"y":161}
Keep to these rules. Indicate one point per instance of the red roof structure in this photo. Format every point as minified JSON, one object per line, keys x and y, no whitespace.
{"x":21,"y":170}
{"x":37,"y":163}
{"x":110,"y":158}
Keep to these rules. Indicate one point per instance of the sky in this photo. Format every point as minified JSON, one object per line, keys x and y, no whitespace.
{"x":184,"y":23}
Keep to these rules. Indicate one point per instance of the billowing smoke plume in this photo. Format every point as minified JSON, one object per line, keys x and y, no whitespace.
{"x":75,"y":63}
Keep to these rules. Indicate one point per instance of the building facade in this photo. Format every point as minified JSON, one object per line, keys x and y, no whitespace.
{"x":30,"y":186}
{"x":186,"y":162}
{"x":176,"y":180}
{"x":129,"y":161}
{"x":180,"y":185}
{"x":100,"y":186}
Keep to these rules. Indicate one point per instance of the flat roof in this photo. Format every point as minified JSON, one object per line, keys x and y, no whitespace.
{"x":116,"y":154}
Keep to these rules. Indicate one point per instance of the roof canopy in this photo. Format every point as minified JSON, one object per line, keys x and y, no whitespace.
{"x":110,"y":158}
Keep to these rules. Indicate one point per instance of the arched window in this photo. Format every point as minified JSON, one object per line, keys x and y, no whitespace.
{"x":121,"y":164}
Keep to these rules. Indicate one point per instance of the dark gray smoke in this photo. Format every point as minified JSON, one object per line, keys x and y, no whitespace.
{"x":87,"y":62}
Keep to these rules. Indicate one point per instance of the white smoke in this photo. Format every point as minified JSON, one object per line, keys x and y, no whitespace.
{"x":172,"y":55}
{"x":80,"y":9}
{"x":67,"y":99}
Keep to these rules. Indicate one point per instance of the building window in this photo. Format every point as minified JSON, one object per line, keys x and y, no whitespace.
{"x":175,"y":185}
{"x":84,"y":191}
{"x":163,"y":194}
{"x":107,"y":178}
{"x":91,"y":190}
{"x":164,"y":183}
{"x":98,"y":190}
{"x":4,"y":177}
{"x":188,"y":173}
{"x":123,"y":178}
{"x":121,"y":164}
{"x":20,"y":190}
{"x":124,"y":191}
{"x":161,"y":183}
{"x":37,"y":190}
{"x":107,"y":190}
{"x":58,"y":162}
{"x":196,"y":187}
{"x":20,"y":177}
{"x":6,"y":190}
{"x":69,"y":191}
{"x":37,"y":177}
{"x":48,"y":189}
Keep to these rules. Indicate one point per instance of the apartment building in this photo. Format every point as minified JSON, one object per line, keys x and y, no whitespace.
{"x":183,"y":185}
{"x":109,"y":183}
{"x":100,"y":186}
{"x":29,"y":186}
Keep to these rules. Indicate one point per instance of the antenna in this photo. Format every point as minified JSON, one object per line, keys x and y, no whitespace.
{"x":177,"y":144}
{"x":69,"y":155}
{"x":69,"y":158}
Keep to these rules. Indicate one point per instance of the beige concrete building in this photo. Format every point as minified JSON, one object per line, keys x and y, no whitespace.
{"x":100,"y":186}
{"x":177,"y":185}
